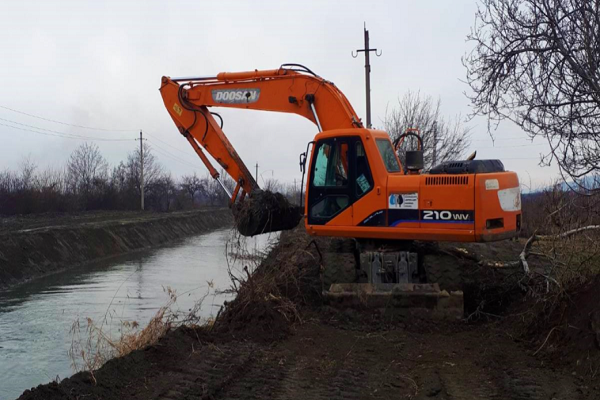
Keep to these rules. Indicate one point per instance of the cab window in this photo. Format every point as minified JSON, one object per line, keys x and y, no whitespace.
{"x":331,"y":165}
{"x":329,"y":206}
{"x":388,"y":155}
{"x":364,"y":181}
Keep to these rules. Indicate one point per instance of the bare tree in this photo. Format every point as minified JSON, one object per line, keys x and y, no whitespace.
{"x":86,"y":183}
{"x":27,"y":168}
{"x":163,"y":192}
{"x":291,"y":192}
{"x":272,"y":185}
{"x":447,"y":138}
{"x":191,"y":184}
{"x":215,"y":195}
{"x":119,"y":177}
{"x":87,"y":171}
{"x":153,"y":170}
{"x":51,"y":179}
{"x":536,"y":63}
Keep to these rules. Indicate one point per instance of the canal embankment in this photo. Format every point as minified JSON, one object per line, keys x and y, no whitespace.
{"x":36,"y":246}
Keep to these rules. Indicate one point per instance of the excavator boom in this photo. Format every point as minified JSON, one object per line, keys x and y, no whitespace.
{"x":281,"y":90}
{"x":290,"y":89}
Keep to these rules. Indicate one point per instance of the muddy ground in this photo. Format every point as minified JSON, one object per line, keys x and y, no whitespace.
{"x":279,"y":340}
{"x":33,"y":246}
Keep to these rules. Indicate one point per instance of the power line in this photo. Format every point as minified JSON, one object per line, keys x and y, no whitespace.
{"x":517,"y":145}
{"x":67,"y":124}
{"x":520,"y":158}
{"x":501,"y":138}
{"x":65,"y":136}
{"x":173,"y":157}
{"x":161,"y":152}
{"x":59,"y":134}
{"x":171,"y":146}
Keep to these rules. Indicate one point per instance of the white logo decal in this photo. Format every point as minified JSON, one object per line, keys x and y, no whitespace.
{"x":235,"y":96}
{"x":404,"y":201}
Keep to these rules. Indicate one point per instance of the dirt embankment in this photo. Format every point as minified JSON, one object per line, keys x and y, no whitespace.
{"x":279,"y":340}
{"x":38,"y":245}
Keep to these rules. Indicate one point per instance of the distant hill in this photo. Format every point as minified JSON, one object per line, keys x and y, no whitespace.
{"x":587,"y":182}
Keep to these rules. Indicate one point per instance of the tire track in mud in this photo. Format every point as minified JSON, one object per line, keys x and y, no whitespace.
{"x":323,"y":364}
{"x":207,"y":371}
{"x":481,"y":386}
{"x":313,"y":365}
{"x":488,"y":371}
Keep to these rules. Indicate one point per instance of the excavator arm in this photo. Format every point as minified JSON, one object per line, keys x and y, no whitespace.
{"x":289,"y":90}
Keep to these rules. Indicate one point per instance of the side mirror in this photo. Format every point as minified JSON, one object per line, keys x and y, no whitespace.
{"x":302,"y":162}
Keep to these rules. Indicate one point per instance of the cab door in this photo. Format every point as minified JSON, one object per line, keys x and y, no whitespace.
{"x":330,"y":192}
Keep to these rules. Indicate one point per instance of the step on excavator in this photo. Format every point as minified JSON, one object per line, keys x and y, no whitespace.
{"x":356,"y":186}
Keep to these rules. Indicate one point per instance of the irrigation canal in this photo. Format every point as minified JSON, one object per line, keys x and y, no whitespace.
{"x":36,"y":318}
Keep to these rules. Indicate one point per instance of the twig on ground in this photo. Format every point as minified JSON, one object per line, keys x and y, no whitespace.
{"x":547,"y":337}
{"x":525,"y":253}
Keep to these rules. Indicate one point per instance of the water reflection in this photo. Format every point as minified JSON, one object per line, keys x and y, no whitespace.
{"x":35,"y":318}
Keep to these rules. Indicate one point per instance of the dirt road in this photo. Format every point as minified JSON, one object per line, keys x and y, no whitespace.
{"x":324,"y":360}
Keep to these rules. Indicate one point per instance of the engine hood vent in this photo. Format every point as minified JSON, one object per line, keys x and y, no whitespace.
{"x":446,"y":180}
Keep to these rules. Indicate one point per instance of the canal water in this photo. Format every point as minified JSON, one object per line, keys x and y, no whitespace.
{"x":36,"y":318}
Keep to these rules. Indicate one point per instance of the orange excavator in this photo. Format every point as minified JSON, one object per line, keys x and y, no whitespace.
{"x":356,"y":186}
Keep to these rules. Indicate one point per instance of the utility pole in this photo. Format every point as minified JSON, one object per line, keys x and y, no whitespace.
{"x":257,"y":172}
{"x":142,"y":170}
{"x":434,"y":144}
{"x":367,"y":50}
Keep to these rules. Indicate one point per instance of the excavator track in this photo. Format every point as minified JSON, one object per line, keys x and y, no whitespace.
{"x":432,"y":288}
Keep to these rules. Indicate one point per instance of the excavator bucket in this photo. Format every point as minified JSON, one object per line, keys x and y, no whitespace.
{"x":264,"y":212}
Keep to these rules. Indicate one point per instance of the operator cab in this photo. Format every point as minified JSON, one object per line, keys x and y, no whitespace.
{"x":342,"y":172}
{"x":358,"y":188}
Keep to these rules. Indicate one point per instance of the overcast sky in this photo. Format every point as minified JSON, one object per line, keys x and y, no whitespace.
{"x":99,"y":63}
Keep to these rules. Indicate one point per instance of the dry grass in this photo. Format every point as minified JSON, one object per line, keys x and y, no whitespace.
{"x":92,"y":345}
{"x":569,"y":261}
{"x":564,"y":266}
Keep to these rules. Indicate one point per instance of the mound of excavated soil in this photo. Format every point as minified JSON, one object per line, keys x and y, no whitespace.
{"x":272,"y":299}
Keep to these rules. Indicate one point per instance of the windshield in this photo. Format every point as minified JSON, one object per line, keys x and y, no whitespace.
{"x":387,"y":154}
